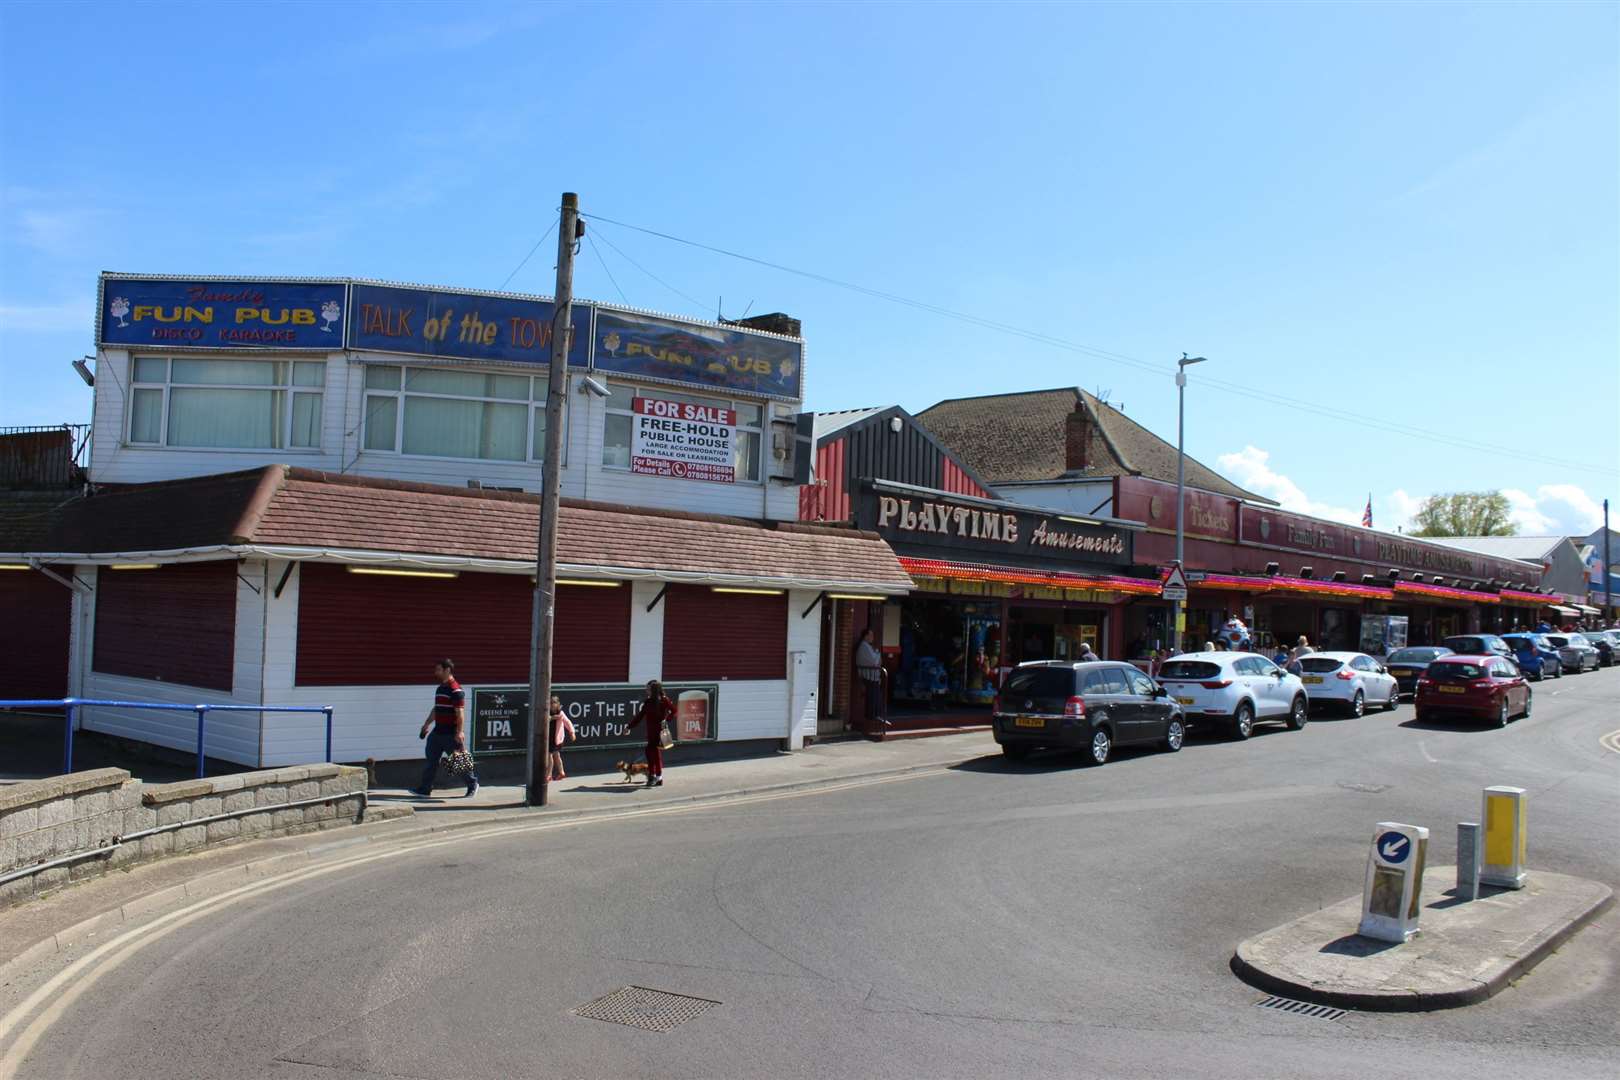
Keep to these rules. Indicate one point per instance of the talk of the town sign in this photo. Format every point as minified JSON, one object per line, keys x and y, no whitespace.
{"x":983,"y":532}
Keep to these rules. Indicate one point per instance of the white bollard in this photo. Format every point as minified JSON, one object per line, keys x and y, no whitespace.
{"x":1505,"y":830}
{"x":1392,"y":895}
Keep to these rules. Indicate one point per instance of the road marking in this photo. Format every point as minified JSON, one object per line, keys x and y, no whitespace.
{"x":1611,"y":741}
{"x":1430,"y":758}
{"x":63,"y":989}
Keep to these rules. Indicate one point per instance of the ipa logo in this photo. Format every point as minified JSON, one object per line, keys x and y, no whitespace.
{"x":692,"y":715}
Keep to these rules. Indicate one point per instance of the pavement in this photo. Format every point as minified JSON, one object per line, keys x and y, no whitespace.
{"x":1465,"y":952}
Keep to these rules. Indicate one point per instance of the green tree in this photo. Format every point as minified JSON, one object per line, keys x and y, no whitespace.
{"x":1464,"y":513}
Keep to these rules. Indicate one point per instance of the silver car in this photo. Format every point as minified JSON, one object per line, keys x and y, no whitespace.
{"x":1575,"y":652}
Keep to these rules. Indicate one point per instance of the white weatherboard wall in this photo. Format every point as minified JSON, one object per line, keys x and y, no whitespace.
{"x":229,"y":736}
{"x":112,"y":460}
{"x":382,"y":721}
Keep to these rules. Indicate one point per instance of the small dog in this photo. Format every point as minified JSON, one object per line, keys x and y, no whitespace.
{"x":632,"y":769}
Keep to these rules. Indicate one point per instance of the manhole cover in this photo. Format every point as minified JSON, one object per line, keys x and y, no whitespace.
{"x":650,"y":1010}
{"x":1300,"y":1008}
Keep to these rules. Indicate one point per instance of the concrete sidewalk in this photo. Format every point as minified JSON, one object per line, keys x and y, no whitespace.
{"x":1467,"y":951}
{"x":40,"y":928}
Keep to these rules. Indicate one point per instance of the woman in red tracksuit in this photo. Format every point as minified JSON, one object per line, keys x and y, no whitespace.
{"x":656,"y":711}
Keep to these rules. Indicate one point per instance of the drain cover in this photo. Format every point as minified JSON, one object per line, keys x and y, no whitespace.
{"x":1301,"y":1008}
{"x":650,"y":1010}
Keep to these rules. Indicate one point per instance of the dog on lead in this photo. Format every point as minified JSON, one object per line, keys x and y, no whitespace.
{"x":633,"y":769}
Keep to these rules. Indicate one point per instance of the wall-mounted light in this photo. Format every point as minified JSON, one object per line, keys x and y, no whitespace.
{"x":1273,"y":568}
{"x":1394,"y":573}
{"x":1367,"y":579}
{"x":1417,"y":577}
{"x":1307,"y":571}
{"x":747,"y":592}
{"x":855,"y":596}
{"x":381,"y":572}
{"x":1338,"y":575}
{"x":133,"y":566}
{"x":589,"y":582}
{"x":1075,"y":520}
{"x":84,"y":372}
{"x":896,"y":424}
{"x":14,"y":566}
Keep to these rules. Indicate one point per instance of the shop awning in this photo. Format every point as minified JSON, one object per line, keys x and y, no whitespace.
{"x":301,"y":514}
{"x":1018,"y":575}
{"x":1567,"y":612}
{"x":1585,"y":610}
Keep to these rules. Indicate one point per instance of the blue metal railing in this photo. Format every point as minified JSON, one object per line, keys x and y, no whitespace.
{"x":71,"y":706}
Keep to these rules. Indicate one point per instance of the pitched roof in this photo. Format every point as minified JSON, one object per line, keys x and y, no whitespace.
{"x":826,"y":423}
{"x":352,"y":518}
{"x":1020,"y":437}
{"x":1528,"y":548}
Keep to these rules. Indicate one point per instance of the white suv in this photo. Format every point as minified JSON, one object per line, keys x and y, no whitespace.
{"x":1235,"y":690}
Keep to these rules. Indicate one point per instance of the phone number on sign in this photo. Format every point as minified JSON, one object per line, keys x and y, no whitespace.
{"x":684,"y":470}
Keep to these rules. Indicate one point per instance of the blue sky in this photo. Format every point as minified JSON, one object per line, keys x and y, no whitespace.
{"x":1403,"y":219}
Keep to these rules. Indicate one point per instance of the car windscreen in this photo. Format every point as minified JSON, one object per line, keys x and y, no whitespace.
{"x":1468,"y":644}
{"x":1319,"y":665}
{"x":1189,"y":669}
{"x":1414,"y":656}
{"x":1558,"y":640}
{"x":1578,"y":639}
{"x":1041,"y":682}
{"x":1455,"y":669}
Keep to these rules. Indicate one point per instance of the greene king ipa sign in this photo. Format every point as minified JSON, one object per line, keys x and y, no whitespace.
{"x":601,"y":714}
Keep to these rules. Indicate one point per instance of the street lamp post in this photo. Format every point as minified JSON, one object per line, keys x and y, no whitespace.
{"x":1181,"y":481}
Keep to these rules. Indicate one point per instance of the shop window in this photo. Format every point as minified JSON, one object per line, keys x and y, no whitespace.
{"x":717,"y":635}
{"x":226,"y":404}
{"x":616,"y":432}
{"x":445,"y":413}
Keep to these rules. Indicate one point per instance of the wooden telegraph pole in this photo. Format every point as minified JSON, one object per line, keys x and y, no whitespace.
{"x":545,"y":576}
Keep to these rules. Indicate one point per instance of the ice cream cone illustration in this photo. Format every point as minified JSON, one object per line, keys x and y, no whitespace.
{"x":331,"y":312}
{"x":118,"y":309}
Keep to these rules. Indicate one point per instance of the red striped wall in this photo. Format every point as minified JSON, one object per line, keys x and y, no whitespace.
{"x":34,"y":634}
{"x":710,"y":635}
{"x":953,"y":479}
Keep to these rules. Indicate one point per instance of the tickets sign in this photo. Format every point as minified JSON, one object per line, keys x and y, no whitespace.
{"x":683,"y":440}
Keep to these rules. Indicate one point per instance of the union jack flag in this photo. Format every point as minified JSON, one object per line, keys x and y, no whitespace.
{"x":1366,"y":515}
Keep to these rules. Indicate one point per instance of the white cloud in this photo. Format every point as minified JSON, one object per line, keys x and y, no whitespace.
{"x":1250,"y":468}
{"x":1554,"y":510}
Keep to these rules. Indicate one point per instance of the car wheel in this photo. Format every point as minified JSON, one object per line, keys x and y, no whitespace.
{"x":1174,"y":734}
{"x":1298,"y":714}
{"x":1558,"y":669}
{"x":1526,"y":714}
{"x":1394,"y":700}
{"x":1502,"y":712}
{"x":1101,"y":746}
{"x":1243,"y":721}
{"x":1358,"y":704}
{"x":1014,"y":751}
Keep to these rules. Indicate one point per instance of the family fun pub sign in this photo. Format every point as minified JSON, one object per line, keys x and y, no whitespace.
{"x":929,"y":524}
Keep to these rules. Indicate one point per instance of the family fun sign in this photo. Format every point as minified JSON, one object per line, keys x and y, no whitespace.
{"x":231,"y":313}
{"x":683,"y":440}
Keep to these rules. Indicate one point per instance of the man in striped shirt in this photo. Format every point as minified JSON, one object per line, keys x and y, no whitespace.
{"x":447,"y":721}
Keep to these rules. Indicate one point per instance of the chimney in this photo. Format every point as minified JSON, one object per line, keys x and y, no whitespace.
{"x":1076,"y":438}
{"x":774,"y":323}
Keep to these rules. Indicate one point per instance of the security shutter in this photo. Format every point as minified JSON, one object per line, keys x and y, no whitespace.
{"x":35,"y":613}
{"x":715,"y":635}
{"x":176,"y":623}
{"x":376,"y":630}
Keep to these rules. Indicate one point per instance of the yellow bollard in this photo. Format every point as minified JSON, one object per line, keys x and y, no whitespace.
{"x":1504,"y":817}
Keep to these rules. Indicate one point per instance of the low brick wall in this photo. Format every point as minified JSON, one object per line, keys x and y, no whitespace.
{"x":66,"y":817}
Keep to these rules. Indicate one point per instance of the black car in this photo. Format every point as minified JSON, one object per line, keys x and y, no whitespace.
{"x":1604,"y":642}
{"x":1408,"y":663}
{"x":1480,"y":645}
{"x":1093,"y":706}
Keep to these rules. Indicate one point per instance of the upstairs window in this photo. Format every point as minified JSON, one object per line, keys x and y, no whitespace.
{"x":446,"y":413}
{"x":616,"y":434}
{"x":226,"y":404}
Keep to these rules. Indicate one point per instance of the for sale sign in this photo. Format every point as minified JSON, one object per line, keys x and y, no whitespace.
{"x":680,"y":439}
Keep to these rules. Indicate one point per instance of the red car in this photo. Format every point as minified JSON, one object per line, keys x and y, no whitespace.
{"x":1487,"y":687}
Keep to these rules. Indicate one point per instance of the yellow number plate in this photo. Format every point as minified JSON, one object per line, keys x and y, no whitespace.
{"x":1029,"y":721}
{"x":1453,"y":690}
{"x":1312,"y":680}
{"x":1184,"y":701}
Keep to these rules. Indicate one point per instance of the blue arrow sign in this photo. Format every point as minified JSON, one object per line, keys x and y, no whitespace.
{"x":1394,"y":847}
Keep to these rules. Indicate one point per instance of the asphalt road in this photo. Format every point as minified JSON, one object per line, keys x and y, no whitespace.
{"x":989,"y":920}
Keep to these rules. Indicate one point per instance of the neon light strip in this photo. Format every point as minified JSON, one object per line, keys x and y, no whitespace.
{"x":1018,"y":576}
{"x":1445,"y":592}
{"x":1522,"y":597}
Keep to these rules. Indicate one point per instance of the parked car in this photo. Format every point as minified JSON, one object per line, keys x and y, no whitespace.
{"x":1605,"y":642}
{"x":1478,"y":645}
{"x":1350,"y":680}
{"x":1536,"y":645}
{"x":1486,"y":686}
{"x":1575,"y":651}
{"x":1408,"y":663}
{"x":1092,"y":706}
{"x":1235,"y":690}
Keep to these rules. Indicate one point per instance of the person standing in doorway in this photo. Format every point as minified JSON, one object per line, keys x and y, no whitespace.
{"x":444,"y":729}
{"x":562,"y":731}
{"x":869,"y":666}
{"x":656,"y":711}
{"x":1086,"y":654}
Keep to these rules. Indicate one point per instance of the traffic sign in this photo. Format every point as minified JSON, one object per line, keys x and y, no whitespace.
{"x":1175,"y":586}
{"x":1394,"y":847}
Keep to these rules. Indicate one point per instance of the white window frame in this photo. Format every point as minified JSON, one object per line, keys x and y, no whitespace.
{"x":536,"y":381}
{"x":287,"y":388}
{"x":649,"y":390}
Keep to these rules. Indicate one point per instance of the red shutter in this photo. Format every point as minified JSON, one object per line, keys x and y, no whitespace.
{"x":35,"y":614}
{"x":713,"y":635}
{"x":377,"y":630}
{"x":176,"y":623}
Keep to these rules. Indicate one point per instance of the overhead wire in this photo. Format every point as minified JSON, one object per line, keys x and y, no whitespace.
{"x":688,"y":297}
{"x":1269,"y":397}
{"x":598,"y":253}
{"x":530,"y":255}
